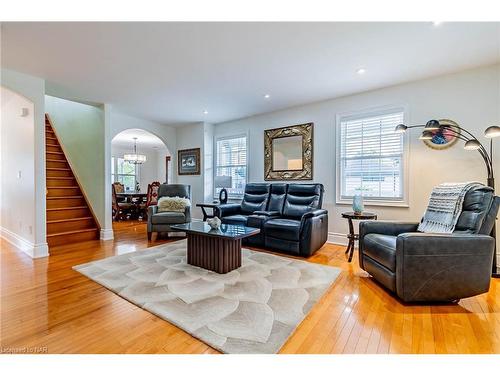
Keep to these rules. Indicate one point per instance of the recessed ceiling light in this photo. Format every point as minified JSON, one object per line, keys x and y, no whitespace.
{"x":205,"y":112}
{"x":361,"y":71}
{"x":437,"y":23}
{"x":267,"y":96}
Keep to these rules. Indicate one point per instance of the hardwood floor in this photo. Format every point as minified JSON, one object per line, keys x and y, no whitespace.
{"x":47,"y":306}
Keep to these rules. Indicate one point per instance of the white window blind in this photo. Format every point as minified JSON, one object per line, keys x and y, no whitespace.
{"x":231,"y":160}
{"x":371,"y":157}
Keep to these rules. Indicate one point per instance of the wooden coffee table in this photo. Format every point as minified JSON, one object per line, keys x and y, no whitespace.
{"x":217,"y":250}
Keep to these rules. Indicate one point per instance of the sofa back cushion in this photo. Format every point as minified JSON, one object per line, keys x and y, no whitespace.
{"x":301,"y":198}
{"x":255,"y":198}
{"x":477,"y":204}
{"x":174,"y":190}
{"x":277,"y":196}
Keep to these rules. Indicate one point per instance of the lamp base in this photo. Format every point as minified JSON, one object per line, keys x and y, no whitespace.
{"x":223,"y":196}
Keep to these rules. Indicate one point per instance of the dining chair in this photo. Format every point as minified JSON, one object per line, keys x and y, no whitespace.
{"x":120,"y":210}
{"x":151,"y":198}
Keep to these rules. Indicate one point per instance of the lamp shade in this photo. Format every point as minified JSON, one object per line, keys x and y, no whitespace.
{"x":135,"y":158}
{"x":223,"y":181}
{"x":472,"y":144}
{"x":492,"y":132}
{"x":432,"y":125}
{"x":401,"y":128}
{"x":426,"y":134}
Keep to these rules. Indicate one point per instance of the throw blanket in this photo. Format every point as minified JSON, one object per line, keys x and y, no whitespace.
{"x":445,"y":206}
{"x":173,"y":204}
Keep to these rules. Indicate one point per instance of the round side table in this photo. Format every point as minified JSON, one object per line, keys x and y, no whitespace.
{"x":350,"y":216}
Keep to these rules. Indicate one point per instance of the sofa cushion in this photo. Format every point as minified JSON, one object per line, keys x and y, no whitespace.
{"x":301,"y":198}
{"x":255,"y":198}
{"x":235,"y":219}
{"x":168,"y":218}
{"x":381,"y":248}
{"x":277,"y":196}
{"x":286,"y":229}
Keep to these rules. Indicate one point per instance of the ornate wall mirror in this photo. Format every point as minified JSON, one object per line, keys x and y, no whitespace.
{"x":288,"y":153}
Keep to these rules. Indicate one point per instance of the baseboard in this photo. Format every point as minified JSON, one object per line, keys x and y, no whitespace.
{"x":33,"y":250}
{"x":107,"y":234}
{"x":338,"y":239}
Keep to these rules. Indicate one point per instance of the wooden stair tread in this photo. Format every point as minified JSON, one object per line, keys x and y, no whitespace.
{"x":55,"y":152}
{"x":57,"y":160}
{"x":59,"y":178}
{"x":62,"y":187}
{"x":66,"y":197}
{"x":72,"y":232}
{"x":72,"y":219}
{"x":54,"y":138}
{"x":58,"y":169}
{"x":67,"y":208}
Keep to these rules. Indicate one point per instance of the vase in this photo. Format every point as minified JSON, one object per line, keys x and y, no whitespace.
{"x":357,"y":204}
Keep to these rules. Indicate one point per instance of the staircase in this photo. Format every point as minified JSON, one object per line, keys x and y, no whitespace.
{"x":69,"y":218}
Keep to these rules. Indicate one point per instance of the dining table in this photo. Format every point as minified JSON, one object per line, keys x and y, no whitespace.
{"x":136,"y":198}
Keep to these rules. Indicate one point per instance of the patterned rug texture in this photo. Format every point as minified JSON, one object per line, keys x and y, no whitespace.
{"x":253,"y":309}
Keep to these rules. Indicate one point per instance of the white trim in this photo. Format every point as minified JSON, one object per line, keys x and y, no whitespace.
{"x":374,"y":111}
{"x":107,"y":234}
{"x":337,"y":238}
{"x":229,"y":135}
{"x":33,"y":250}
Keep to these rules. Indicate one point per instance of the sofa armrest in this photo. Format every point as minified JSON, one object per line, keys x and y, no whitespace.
{"x":391,"y":228}
{"x":313,"y":213}
{"x":227,"y":209}
{"x":313,"y":231}
{"x":152,"y":210}
{"x":442,"y":267}
{"x":267,"y":213}
{"x":187,"y":214}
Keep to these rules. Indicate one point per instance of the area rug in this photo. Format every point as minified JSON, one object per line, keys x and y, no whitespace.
{"x":253,"y":309}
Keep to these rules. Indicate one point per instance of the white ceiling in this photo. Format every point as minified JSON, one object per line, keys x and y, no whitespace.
{"x":172,"y":72}
{"x":145,"y":140}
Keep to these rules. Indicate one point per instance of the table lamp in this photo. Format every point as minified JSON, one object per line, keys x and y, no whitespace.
{"x":223,"y":182}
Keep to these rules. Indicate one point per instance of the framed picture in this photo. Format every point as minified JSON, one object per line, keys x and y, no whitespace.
{"x":443,"y":137}
{"x":188,"y":162}
{"x":288,"y":153}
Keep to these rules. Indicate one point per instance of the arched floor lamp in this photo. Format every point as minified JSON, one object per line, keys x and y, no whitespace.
{"x":471,"y":143}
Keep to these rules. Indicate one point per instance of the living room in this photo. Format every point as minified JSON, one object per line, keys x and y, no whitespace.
{"x":320,"y":188}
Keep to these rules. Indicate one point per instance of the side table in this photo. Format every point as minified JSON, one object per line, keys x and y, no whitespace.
{"x":353,"y":237}
{"x":204,"y":206}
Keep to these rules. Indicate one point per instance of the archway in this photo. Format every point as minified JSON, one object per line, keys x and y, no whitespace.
{"x":155,"y":168}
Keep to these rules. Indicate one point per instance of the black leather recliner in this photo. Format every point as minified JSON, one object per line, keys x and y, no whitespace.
{"x":289,"y":216}
{"x":421,"y":267}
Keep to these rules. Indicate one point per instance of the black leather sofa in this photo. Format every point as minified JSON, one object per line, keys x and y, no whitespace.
{"x":289,"y":216}
{"x":422,"y":267}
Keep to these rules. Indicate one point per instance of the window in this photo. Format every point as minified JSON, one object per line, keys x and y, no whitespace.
{"x":231,"y":160}
{"x":124,"y":172}
{"x":371,"y":157}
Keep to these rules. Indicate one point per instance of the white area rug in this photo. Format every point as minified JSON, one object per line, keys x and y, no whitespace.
{"x":253,"y":309}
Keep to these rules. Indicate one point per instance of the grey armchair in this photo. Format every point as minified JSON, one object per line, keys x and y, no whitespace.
{"x":424,"y":267}
{"x":161,"y":221}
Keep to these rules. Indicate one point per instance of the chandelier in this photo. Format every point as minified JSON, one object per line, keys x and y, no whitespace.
{"x":135,"y":158}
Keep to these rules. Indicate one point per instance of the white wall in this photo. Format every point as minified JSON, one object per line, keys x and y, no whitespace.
{"x":470,"y":98}
{"x":23,"y":219}
{"x":193,"y":136}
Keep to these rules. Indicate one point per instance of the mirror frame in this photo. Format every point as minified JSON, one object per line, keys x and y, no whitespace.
{"x":303,"y":130}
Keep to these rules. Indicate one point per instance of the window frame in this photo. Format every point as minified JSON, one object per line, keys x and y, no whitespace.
{"x":114,"y":161}
{"x":221,"y":137}
{"x":372,"y":112}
